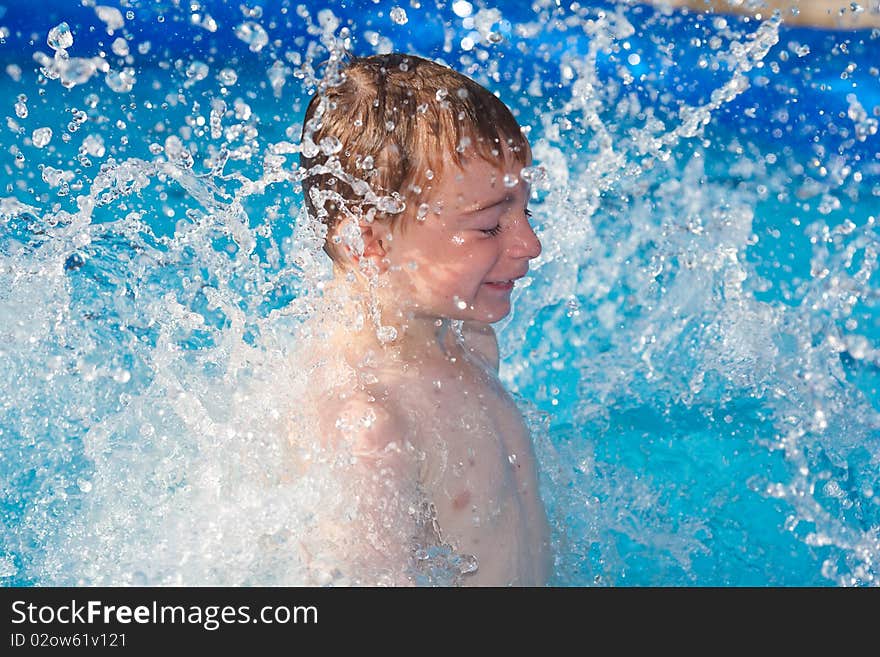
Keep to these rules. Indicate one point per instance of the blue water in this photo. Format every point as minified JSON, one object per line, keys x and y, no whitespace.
{"x":696,"y":351}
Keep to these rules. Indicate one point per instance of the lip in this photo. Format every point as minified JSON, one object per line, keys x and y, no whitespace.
{"x":500,"y":286}
{"x":504,"y":285}
{"x":513,"y":278}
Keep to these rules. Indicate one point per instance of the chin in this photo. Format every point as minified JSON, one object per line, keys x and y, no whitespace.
{"x":489,"y":316}
{"x":479,"y":313}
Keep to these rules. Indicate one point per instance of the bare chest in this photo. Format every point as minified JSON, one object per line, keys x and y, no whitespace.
{"x":476,"y":462}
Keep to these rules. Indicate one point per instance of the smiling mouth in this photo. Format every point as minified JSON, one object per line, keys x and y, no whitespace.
{"x":507,"y":282}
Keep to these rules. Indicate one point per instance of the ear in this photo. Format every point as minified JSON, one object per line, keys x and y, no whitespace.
{"x":376,"y":242}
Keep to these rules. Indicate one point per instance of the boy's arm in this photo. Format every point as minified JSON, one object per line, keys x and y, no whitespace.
{"x":378,"y":479}
{"x":480,"y":339}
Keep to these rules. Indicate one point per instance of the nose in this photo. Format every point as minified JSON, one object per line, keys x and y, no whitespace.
{"x":523,"y":241}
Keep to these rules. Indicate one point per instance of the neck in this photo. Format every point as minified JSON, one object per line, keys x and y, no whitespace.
{"x":368,"y":317}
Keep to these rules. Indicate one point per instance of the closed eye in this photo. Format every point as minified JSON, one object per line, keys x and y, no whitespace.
{"x":497,"y":229}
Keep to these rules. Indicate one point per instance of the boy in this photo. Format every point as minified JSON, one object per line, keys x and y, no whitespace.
{"x":417,"y":172}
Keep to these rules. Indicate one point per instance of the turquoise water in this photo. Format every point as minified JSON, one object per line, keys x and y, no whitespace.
{"x":696,"y":349}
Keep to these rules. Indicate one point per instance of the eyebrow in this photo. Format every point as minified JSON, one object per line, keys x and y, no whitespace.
{"x":507,"y":198}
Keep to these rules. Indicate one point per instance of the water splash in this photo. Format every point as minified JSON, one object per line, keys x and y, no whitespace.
{"x":696,"y":350}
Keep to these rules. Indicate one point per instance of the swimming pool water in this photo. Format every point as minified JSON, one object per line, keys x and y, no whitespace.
{"x":696,"y":349}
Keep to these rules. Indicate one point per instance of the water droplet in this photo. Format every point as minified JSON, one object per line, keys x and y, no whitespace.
{"x":177,"y":153}
{"x":398,"y":15}
{"x":330,"y":145}
{"x":390,"y":204}
{"x":78,"y":70}
{"x":362,"y":188}
{"x":327,"y":20}
{"x":56,"y":177}
{"x":386,"y":334}
{"x":111,"y":17}
{"x":462,"y":8}
{"x":41,"y":137}
{"x":196,"y":71}
{"x":84,"y":485}
{"x":372,"y":37}
{"x":122,"y":376}
{"x":461,"y":304}
{"x":14,"y":71}
{"x":277,"y":75}
{"x":207,"y":22}
{"x":21,"y":109}
{"x":93,"y":145}
{"x":252,"y":34}
{"x":422,"y":212}
{"x":369,"y":416}
{"x":510,"y":180}
{"x":60,"y":37}
{"x":309,"y":149}
{"x":120,"y":81}
{"x":227,"y":77}
{"x":218,"y":109}
{"x":120,"y":47}
{"x":251,"y":12}
{"x":534,"y":174}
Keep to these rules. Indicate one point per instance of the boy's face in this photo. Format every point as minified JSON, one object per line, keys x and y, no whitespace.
{"x":463,"y":259}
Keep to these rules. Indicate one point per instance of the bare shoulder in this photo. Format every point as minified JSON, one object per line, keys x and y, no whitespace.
{"x":480,"y":339}
{"x":365,"y":535}
{"x":371,"y":427}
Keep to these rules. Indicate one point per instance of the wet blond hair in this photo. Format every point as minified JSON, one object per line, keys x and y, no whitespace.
{"x":394,"y":122}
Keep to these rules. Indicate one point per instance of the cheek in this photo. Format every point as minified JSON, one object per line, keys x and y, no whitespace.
{"x":449,"y":268}
{"x":482,"y":256}
{"x":473,"y":267}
